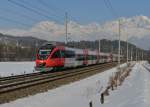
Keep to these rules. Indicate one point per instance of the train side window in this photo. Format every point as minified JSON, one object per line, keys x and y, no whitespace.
{"x":80,"y":57}
{"x":69,"y":54}
{"x":63,"y":54}
{"x":56,"y":54}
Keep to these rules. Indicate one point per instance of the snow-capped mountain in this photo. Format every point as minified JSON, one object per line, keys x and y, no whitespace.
{"x":21,"y":41}
{"x":137,"y":28}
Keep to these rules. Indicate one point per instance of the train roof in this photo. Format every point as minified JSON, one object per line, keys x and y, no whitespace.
{"x":47,"y":46}
{"x":77,"y":51}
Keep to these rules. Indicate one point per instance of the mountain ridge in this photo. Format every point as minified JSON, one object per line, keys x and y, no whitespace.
{"x":136,"y":28}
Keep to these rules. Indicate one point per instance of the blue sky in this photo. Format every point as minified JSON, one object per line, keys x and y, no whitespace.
{"x":83,"y":11}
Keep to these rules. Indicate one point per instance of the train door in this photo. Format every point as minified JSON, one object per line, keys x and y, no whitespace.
{"x":97,"y":57}
{"x":62,"y":59}
{"x":69,"y":58}
{"x":58,"y":60}
{"x":85,"y":53}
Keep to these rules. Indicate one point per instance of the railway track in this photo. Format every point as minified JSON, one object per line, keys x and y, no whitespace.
{"x":20,"y":82}
{"x":11,"y":79}
{"x":146,"y":67}
{"x":23,"y":81}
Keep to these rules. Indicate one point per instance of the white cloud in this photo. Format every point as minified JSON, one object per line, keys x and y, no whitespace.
{"x":137,"y":26}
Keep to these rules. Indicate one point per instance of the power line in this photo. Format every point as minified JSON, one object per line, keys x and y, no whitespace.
{"x":113,"y":10}
{"x":47,"y":6}
{"x":55,"y":8}
{"x":27,"y":8}
{"x":19,"y":14}
{"x":30,"y":9}
{"x":67,"y":15}
{"x":74,"y":18}
{"x":14,"y":21}
{"x":42,"y":10}
{"x":52,"y":8}
{"x":107,"y":6}
{"x":23,"y":4}
{"x":110,"y":8}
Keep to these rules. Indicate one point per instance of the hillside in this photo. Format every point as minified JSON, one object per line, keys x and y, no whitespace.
{"x":17,"y":48}
{"x":136,"y":28}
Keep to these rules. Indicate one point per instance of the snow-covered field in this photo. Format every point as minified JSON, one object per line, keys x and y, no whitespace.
{"x":135,"y":92}
{"x":16,"y":68}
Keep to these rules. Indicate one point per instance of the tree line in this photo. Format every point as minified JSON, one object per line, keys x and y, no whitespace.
{"x":13,"y":52}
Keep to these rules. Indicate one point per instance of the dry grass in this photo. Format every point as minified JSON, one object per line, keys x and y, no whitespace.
{"x":117,"y":79}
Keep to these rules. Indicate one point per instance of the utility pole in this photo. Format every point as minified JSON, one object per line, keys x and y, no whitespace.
{"x":131,"y":53}
{"x":18,"y":46}
{"x":36,"y":46}
{"x":6,"y":50}
{"x":142,"y":55}
{"x":66,"y":27}
{"x":111,"y":47}
{"x":119,"y":23}
{"x":99,"y":45}
{"x":139,"y":54}
{"x":127,"y":49}
{"x":136,"y":53}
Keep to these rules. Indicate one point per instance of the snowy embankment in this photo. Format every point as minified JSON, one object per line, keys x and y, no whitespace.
{"x":77,"y":94}
{"x":134,"y":92}
{"x":16,"y":68}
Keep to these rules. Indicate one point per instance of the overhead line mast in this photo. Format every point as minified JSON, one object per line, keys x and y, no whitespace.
{"x":127,"y":49}
{"x":111,"y":9}
{"x":99,"y":45}
{"x":119,"y":24}
{"x":66,"y":27}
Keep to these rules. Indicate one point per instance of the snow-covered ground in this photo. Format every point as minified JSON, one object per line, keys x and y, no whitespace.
{"x":16,"y":68}
{"x":135,"y":92}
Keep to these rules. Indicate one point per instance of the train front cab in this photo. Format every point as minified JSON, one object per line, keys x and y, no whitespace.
{"x":49,"y":61}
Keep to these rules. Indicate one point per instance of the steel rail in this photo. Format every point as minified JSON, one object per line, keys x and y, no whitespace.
{"x":5,"y":80}
{"x":47,"y":78}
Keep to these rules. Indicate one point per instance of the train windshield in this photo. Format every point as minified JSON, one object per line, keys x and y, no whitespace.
{"x":43,"y":54}
{"x":45,"y":51}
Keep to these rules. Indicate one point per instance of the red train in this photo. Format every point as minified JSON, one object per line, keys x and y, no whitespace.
{"x":51,"y":56}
